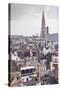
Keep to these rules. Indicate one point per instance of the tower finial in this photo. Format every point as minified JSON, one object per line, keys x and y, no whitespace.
{"x":43,"y":19}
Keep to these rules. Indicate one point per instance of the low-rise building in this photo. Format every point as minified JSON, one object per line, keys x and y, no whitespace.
{"x":54,"y":66}
{"x":14,"y":74}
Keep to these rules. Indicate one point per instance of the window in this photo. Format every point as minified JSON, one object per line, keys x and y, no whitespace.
{"x":27,"y":54}
{"x":22,"y":72}
{"x":31,"y":70}
{"x":34,"y":53}
{"x":27,"y":71}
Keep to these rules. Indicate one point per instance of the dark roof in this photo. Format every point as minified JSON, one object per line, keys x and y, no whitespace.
{"x":50,"y":73}
{"x":52,"y":80}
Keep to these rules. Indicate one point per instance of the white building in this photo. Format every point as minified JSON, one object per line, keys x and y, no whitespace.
{"x":54,"y":62}
{"x":27,"y":73}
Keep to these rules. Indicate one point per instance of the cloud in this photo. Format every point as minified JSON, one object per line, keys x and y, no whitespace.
{"x":26,"y":19}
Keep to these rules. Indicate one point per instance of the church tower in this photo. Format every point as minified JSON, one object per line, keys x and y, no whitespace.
{"x":44,"y":30}
{"x":43,"y":20}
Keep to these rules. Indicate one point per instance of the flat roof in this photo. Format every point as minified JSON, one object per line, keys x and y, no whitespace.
{"x":27,"y":67}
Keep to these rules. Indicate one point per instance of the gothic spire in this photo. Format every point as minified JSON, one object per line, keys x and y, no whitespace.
{"x":43,"y":19}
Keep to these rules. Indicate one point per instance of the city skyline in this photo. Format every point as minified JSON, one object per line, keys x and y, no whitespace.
{"x":26,"y":19}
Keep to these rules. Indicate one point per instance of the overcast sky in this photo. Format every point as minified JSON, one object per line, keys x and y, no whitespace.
{"x":26,"y":19}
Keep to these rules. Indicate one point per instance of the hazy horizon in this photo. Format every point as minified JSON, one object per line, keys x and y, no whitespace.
{"x":26,"y":19}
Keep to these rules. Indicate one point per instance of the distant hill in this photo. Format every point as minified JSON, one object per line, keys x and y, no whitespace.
{"x":53,"y":37}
